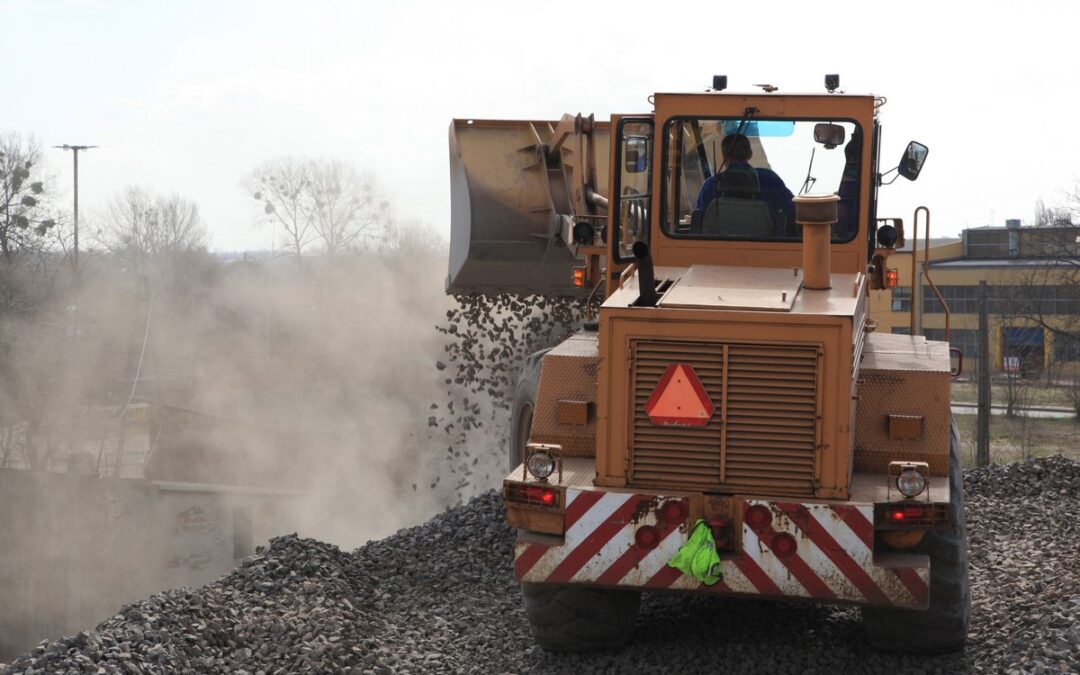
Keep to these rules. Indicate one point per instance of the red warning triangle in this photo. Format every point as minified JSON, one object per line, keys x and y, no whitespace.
{"x":679,"y":399}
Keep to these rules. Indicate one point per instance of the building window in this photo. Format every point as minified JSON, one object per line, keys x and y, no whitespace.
{"x":1002,"y":299}
{"x":1066,"y":347}
{"x":967,"y":341}
{"x":901,"y":299}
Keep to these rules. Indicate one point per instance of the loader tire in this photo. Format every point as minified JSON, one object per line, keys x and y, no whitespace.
{"x":944,"y":626}
{"x":579,"y":619}
{"x":521,"y":414}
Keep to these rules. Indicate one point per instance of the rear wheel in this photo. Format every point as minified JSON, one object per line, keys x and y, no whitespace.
{"x":578,"y":619}
{"x":944,"y":626}
{"x":521,"y":415}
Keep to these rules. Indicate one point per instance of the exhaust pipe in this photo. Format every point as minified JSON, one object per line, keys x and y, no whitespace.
{"x":816,"y":214}
{"x":647,"y":295}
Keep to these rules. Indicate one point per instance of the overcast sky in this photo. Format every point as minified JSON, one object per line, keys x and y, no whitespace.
{"x":188,"y":97}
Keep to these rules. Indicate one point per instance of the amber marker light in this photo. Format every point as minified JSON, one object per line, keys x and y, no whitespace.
{"x":579,"y":277}
{"x":892,"y":278}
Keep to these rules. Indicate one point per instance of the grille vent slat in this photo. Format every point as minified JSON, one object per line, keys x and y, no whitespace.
{"x":771,"y":412}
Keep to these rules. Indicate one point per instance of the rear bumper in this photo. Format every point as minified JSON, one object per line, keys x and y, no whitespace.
{"x":833,"y":560}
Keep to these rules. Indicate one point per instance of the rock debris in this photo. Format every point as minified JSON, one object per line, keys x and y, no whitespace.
{"x":441,"y":598}
{"x":488,"y":338}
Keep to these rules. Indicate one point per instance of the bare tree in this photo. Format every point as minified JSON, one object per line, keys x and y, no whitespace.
{"x":1048,"y":292}
{"x":23,"y":194}
{"x":411,"y":236}
{"x":1052,"y":216}
{"x":325,"y":202}
{"x":142,"y":228}
{"x":346,"y":206}
{"x":282,"y":187}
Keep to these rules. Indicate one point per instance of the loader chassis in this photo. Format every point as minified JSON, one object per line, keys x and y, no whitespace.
{"x":836,"y":557}
{"x":805,"y":413}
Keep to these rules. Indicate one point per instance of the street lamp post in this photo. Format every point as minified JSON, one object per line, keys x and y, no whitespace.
{"x":75,"y":156}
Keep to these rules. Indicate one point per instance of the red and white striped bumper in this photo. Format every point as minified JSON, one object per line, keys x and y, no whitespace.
{"x":832,"y":559}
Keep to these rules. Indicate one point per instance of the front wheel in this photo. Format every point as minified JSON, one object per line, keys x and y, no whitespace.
{"x":579,"y":619}
{"x":944,"y":626}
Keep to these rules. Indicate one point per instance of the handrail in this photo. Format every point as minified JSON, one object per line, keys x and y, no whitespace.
{"x":926,"y":270}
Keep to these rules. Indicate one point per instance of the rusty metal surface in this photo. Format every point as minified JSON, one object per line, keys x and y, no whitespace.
{"x":787,"y":550}
{"x":903,"y":376}
{"x":569,"y":374}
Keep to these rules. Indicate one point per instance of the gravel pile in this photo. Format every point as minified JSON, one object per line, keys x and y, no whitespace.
{"x":441,"y":598}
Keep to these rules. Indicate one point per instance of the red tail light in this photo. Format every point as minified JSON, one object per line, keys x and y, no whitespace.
{"x":903,"y":514}
{"x":910,"y":515}
{"x":545,"y":496}
{"x":532,"y":495}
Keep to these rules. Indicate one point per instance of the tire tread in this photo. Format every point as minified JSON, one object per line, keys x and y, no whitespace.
{"x":578,"y":619}
{"x":944,"y":626}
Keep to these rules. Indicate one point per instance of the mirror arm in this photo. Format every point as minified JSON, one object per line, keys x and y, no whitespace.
{"x":881,"y":176}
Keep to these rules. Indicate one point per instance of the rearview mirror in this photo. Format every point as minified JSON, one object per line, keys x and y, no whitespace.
{"x":829,"y":135}
{"x":912,"y":162}
{"x":637,"y":154}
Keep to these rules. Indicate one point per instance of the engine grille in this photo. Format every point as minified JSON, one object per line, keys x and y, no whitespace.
{"x":763,"y":435}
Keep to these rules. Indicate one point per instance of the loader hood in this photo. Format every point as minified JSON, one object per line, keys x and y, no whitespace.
{"x":725,"y":287}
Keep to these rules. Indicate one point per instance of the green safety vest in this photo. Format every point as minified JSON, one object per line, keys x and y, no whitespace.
{"x":697,"y":557}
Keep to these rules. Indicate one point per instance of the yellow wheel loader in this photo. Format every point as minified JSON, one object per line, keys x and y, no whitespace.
{"x":730,"y":423}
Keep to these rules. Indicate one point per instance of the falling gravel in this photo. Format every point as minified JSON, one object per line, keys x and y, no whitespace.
{"x":487,"y":338}
{"x":440,"y":598}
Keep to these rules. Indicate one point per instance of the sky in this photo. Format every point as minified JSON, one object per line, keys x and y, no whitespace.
{"x":188,"y":97}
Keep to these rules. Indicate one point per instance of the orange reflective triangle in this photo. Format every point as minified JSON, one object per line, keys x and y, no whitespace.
{"x":679,"y":399}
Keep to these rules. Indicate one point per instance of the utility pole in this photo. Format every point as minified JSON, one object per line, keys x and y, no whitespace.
{"x":75,"y":156}
{"x":982,"y":444}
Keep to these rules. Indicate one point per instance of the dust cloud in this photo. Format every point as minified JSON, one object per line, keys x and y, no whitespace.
{"x":165,"y":420}
{"x":159,"y":424}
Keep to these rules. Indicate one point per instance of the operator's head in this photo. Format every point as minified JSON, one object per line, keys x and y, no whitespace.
{"x":736,"y":148}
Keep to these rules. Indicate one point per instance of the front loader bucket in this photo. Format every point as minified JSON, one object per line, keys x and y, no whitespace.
{"x":504,"y":232}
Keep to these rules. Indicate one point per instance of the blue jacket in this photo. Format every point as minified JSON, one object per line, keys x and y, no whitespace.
{"x":773,"y":192}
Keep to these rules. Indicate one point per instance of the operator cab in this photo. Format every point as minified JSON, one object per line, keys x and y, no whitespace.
{"x":710,"y":178}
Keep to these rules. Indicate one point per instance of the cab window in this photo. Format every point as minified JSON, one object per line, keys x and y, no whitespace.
{"x":734,"y":179}
{"x":634,"y":162}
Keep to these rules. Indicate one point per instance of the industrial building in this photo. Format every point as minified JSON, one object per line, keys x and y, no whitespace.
{"x":1033,"y":279}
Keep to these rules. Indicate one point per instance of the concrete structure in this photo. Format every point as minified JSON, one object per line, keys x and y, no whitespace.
{"x":1030,"y":271}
